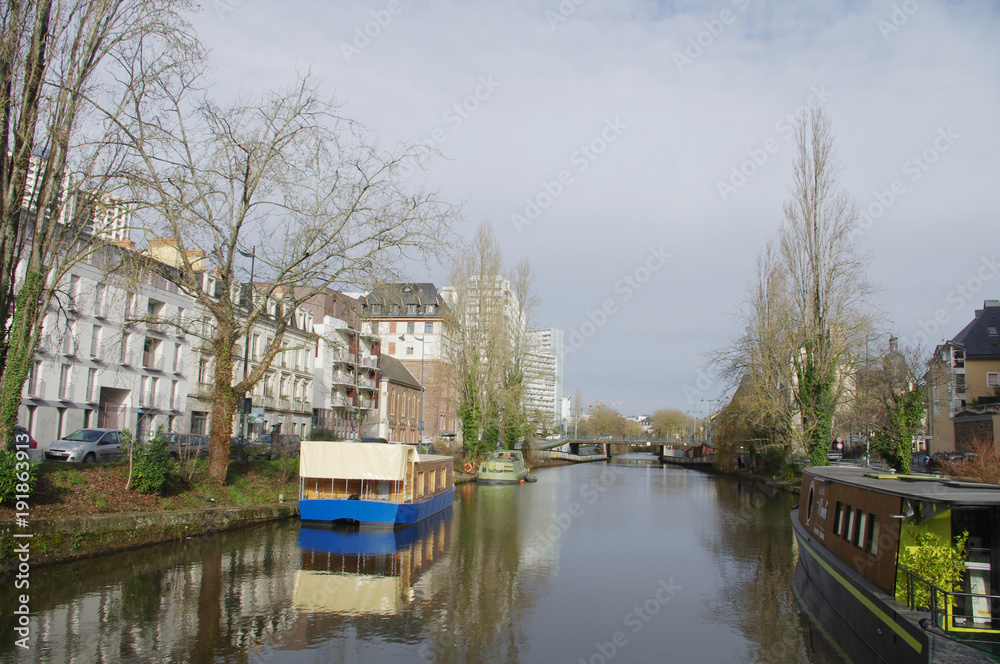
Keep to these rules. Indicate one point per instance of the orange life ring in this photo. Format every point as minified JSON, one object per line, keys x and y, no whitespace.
{"x":468,"y":467}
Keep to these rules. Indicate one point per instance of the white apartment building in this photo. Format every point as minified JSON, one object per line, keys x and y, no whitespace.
{"x":100,"y":365}
{"x":345,"y":393}
{"x":543,"y":380}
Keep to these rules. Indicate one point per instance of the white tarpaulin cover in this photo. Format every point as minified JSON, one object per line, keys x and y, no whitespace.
{"x":355,"y":461}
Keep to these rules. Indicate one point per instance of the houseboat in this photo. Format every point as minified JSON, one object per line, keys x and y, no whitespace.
{"x":503,"y":467}
{"x":851,"y":526}
{"x":372,"y":484}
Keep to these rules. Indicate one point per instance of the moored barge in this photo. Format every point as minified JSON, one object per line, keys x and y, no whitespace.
{"x":372,"y":484}
{"x":851,"y":526}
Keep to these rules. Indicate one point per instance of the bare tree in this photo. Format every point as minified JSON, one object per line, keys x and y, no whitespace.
{"x":65,"y":70}
{"x":488,"y":345}
{"x":808,"y":310}
{"x":829,"y":291}
{"x":287,"y":181}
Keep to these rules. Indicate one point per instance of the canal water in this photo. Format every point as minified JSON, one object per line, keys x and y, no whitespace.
{"x":594,"y":563}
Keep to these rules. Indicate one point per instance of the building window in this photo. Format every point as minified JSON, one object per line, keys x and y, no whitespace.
{"x":960,"y":383}
{"x":428,"y":328}
{"x":74,"y":292}
{"x":95,"y":342}
{"x":126,"y":337}
{"x":993,"y":379}
{"x":99,"y":300}
{"x":198,"y":422}
{"x":69,"y":338}
{"x":410,"y":328}
{"x":430,"y":309}
{"x":64,"y":381}
{"x":92,"y":385}
{"x":411,"y":310}
{"x":409,"y":350}
{"x":34,"y":378}
{"x":60,"y":422}
{"x":174,"y":405}
{"x":202,"y":370}
{"x":178,"y":362}
{"x":376,"y":309}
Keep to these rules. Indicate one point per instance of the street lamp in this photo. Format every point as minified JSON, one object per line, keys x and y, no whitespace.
{"x":420,"y":422}
{"x":708,"y":419}
{"x":246,"y":343}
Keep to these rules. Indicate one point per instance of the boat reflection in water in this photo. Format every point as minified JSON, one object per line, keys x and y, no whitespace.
{"x":348,"y":570}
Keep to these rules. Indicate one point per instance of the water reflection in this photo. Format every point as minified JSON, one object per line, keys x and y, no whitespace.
{"x":535,"y":573}
{"x":349,"y":571}
{"x":756,"y":554}
{"x":192,"y":601}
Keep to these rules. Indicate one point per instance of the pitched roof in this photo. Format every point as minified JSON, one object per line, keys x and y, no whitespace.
{"x":981,"y":337}
{"x":402,"y":295}
{"x":394,"y":371}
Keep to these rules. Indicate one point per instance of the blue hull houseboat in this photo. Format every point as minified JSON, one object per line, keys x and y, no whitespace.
{"x":851,"y":526}
{"x":372,"y":484}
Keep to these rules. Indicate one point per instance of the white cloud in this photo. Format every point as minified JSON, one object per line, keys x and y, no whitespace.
{"x":686,"y":130}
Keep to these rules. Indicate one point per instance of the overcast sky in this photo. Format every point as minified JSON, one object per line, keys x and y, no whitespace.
{"x":638,"y":153}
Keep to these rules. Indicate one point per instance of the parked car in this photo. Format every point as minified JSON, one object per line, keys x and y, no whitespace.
{"x":186,"y":446}
{"x":606,"y":436}
{"x":938,"y":459}
{"x":834,"y":455}
{"x":240,"y":449}
{"x":87,"y":445}
{"x":23,"y":440}
{"x":272,"y":446}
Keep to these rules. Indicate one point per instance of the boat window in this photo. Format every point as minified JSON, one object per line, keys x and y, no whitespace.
{"x":859,"y":531}
{"x":872,"y":534}
{"x":839,"y":520}
{"x":383,"y":489}
{"x":850,"y":524}
{"x":809,"y":505}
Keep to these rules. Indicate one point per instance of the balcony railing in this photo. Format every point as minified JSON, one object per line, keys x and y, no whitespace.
{"x":949,"y":610}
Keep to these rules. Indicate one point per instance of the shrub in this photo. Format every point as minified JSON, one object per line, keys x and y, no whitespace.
{"x":936,"y":560}
{"x":153,"y":469}
{"x":17,"y":476}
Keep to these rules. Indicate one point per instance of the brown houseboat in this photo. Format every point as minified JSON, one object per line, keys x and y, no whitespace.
{"x":850,"y":527}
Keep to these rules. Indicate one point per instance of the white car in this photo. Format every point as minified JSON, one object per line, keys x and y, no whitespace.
{"x":87,"y":445}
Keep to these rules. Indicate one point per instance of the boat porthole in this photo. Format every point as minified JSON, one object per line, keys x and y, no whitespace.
{"x":809,"y":505}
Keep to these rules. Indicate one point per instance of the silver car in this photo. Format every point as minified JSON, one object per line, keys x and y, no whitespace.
{"x":87,"y":445}
{"x":186,"y":446}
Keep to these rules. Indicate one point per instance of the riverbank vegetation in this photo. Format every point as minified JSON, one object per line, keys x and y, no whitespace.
{"x":79,"y":490}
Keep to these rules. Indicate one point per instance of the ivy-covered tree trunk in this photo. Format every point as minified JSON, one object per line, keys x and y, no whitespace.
{"x":816,"y":396}
{"x":224,"y":402}
{"x":895,"y":441}
{"x":21,"y":350}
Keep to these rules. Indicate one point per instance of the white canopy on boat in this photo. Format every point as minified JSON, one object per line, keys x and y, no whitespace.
{"x":355,"y":461}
